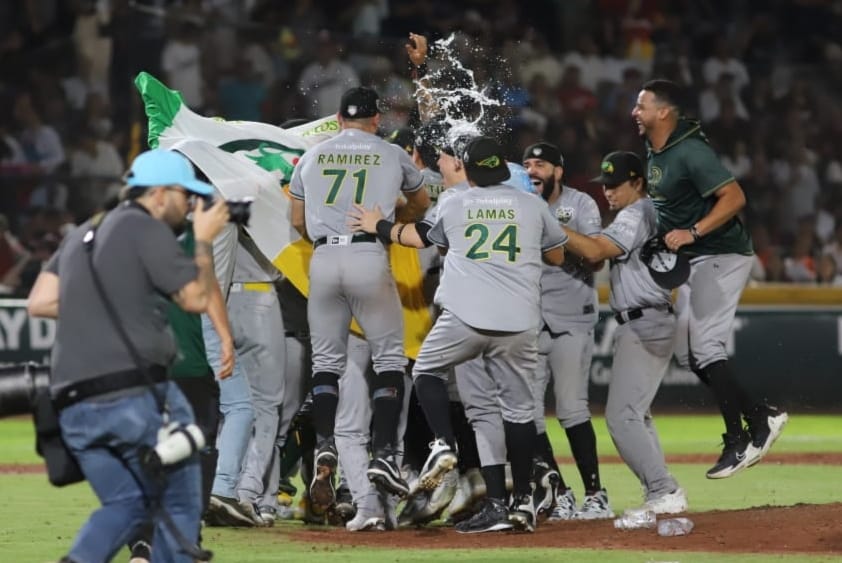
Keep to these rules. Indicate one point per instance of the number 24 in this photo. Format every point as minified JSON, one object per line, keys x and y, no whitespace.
{"x":506,"y":242}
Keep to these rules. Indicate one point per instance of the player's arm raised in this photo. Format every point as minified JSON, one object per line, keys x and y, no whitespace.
{"x":594,"y":249}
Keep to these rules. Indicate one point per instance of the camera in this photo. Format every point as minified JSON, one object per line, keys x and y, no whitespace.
{"x":239,"y":210}
{"x":18,"y":386}
{"x":176,"y":442}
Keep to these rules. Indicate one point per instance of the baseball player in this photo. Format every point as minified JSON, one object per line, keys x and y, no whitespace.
{"x":350,"y":277}
{"x":565,"y":345}
{"x":643,"y":343}
{"x":697,"y":201}
{"x":494,"y":237}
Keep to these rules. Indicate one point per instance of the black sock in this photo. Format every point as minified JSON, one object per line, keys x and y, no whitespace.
{"x":432,"y":394}
{"x":325,"y":399}
{"x":418,"y":434}
{"x":465,"y":437}
{"x":730,"y":396}
{"x":520,"y":445}
{"x":388,"y":399}
{"x":583,"y":447}
{"x":495,"y":481}
{"x":544,"y":450}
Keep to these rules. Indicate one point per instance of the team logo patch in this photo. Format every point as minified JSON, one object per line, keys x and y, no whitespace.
{"x":607,"y":167}
{"x":655,"y":175}
{"x":537,"y":151}
{"x":490,"y":162}
{"x":564,"y":214}
{"x":352,"y":110}
{"x":663,"y":261}
{"x":278,"y":159}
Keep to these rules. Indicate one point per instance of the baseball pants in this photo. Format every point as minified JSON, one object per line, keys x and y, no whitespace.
{"x":567,"y":360}
{"x":482,"y":408}
{"x":642,"y":353}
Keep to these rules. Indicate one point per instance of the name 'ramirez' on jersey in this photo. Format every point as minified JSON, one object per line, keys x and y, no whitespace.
{"x":568,"y":293}
{"x":495,"y":237}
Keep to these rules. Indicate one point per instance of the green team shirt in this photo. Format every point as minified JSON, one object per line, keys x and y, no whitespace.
{"x":191,"y":359}
{"x":682,"y":179}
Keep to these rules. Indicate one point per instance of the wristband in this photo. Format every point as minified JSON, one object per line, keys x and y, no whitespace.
{"x":401,"y":227}
{"x":694,"y":232}
{"x":384,"y":230}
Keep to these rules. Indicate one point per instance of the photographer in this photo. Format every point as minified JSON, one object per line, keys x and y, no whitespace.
{"x":110,"y":415}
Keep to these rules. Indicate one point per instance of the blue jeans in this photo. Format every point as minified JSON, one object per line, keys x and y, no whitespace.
{"x":106,"y":437}
{"x":235,"y":405}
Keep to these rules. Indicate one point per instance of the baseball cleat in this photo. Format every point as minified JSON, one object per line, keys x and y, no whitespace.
{"x":225,"y":511}
{"x":565,"y":506}
{"x":547,"y":481}
{"x":765,"y":427}
{"x":322,"y":488}
{"x":363,"y":523}
{"x":441,"y":460}
{"x":386,"y":476}
{"x":670,"y":503}
{"x":417,"y":510}
{"x":522,"y":513}
{"x":493,"y":516}
{"x":343,"y":510}
{"x":734,"y":456}
{"x":595,"y":506}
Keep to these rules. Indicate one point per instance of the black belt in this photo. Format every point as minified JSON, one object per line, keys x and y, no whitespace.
{"x":107,"y":383}
{"x":632,"y":314}
{"x":335,"y":240}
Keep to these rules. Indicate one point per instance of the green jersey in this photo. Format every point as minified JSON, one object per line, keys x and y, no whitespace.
{"x":191,"y":360}
{"x":682,"y":180}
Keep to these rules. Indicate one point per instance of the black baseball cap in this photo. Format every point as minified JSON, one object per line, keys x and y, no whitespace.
{"x":485,"y":164}
{"x":404,"y":137}
{"x":668,"y":269}
{"x":358,"y":103}
{"x":544,"y":151}
{"x":618,"y":167}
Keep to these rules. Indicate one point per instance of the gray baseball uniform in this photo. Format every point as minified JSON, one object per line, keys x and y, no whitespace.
{"x":348,"y":279}
{"x":642,"y":349}
{"x":490,"y":290}
{"x":569,"y":313}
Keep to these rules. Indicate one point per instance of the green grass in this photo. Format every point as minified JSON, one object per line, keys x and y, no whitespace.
{"x":38,"y":522}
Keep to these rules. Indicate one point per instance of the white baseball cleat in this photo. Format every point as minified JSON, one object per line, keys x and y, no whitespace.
{"x":441,"y":460}
{"x":670,"y":503}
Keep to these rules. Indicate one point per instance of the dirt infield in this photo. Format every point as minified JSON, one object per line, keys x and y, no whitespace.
{"x":813,"y":529}
{"x":829,"y":458}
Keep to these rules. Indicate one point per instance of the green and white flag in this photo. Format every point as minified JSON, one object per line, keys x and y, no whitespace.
{"x":240,"y":158}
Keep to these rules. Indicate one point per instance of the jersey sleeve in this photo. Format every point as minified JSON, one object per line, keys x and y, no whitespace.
{"x":412,"y":178}
{"x":705,"y":169}
{"x":296,"y":185}
{"x":590,"y":220}
{"x":437,"y":235}
{"x":52,"y":264}
{"x":165,"y":262}
{"x":626,"y":229}
{"x":552,"y":235}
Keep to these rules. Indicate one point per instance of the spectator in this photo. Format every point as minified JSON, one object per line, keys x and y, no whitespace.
{"x":324,"y":80}
{"x":181,"y":62}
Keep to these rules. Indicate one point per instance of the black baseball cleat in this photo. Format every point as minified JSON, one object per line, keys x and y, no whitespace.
{"x":493,"y":516}
{"x":765,"y":426}
{"x":522,"y":513}
{"x":547,"y":481}
{"x":734,"y":456}
{"x":386,"y":476}
{"x":322,"y":488}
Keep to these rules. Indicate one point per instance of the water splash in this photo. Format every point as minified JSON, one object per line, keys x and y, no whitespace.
{"x":461,"y":105}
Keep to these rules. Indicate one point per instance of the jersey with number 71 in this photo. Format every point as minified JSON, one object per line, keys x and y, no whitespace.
{"x":495,"y":237}
{"x":352,"y":167}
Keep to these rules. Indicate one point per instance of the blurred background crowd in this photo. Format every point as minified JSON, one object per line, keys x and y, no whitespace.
{"x":765,"y":78}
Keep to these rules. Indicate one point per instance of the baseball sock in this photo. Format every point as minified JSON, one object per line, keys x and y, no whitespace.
{"x":520,"y":445}
{"x":495,"y":481}
{"x":583,"y":447}
{"x":544,"y":450}
{"x":432,"y":394}
{"x":388,"y":399}
{"x":730,"y":397}
{"x":325,"y":399}
{"x":465,"y":437}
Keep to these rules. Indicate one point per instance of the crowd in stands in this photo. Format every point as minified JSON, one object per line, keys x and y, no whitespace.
{"x":765,"y":78}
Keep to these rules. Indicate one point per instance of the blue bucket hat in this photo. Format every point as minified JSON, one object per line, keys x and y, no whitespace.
{"x":160,"y":167}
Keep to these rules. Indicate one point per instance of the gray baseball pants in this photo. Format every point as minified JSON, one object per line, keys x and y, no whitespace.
{"x":567,"y":359}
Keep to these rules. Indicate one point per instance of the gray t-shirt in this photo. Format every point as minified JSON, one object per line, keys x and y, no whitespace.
{"x":631,"y":285}
{"x":495,"y":238}
{"x":352,"y":167}
{"x":141,"y":264}
{"x":568,"y":294}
